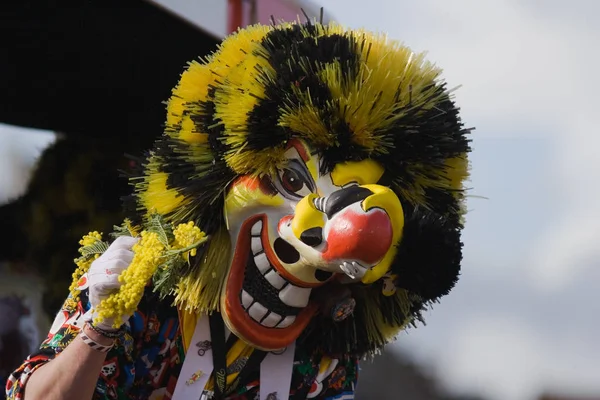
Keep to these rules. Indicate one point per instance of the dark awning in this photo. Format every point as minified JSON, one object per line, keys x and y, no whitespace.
{"x":92,"y":67}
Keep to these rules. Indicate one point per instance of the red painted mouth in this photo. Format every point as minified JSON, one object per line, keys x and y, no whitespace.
{"x":263,"y":304}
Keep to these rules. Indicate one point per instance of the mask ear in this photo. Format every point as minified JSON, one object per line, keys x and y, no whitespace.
{"x":429,"y":256}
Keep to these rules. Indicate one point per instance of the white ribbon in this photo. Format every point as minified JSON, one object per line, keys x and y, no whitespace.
{"x":276,"y":374}
{"x":194,"y":363}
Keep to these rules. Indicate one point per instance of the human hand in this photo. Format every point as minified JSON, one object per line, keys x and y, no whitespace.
{"x":103,"y":278}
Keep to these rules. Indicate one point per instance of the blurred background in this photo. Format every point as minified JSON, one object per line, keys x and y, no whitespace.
{"x":81,"y":85}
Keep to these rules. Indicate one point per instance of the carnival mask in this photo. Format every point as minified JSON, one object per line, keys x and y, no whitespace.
{"x":313,"y":157}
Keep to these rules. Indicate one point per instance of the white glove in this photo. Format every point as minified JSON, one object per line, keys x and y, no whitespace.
{"x":103,"y":277}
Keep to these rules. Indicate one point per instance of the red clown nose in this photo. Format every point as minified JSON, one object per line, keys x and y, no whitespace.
{"x":353,"y":234}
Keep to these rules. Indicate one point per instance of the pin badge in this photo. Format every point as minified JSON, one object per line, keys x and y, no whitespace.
{"x":194,"y":378}
{"x":343,"y":309}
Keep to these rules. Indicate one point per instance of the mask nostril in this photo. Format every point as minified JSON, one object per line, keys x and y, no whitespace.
{"x":322,"y":276}
{"x":312,"y":237}
{"x":285,"y":251}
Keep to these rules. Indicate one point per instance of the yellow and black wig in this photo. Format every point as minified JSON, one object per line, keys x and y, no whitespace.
{"x":351,"y":95}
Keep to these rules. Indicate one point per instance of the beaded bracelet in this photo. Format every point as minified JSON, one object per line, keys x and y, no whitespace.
{"x":105,"y":333}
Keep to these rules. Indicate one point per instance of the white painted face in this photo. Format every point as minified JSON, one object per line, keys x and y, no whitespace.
{"x":297,"y":231}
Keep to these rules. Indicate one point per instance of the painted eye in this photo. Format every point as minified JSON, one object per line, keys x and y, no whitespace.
{"x":291,"y":181}
{"x":294,"y":182}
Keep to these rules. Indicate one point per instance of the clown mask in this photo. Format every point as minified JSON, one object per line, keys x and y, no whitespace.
{"x":297,"y":231}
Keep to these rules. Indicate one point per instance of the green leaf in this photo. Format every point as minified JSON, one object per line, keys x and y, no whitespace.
{"x":157,"y":225}
{"x":121,"y":231}
{"x":98,"y":247}
{"x":167,"y":275}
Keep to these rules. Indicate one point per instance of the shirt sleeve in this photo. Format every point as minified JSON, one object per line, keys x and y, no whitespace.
{"x":133,"y":368}
{"x":65,"y":328}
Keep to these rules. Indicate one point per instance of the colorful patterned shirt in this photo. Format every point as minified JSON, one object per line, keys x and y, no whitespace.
{"x":147,"y":358}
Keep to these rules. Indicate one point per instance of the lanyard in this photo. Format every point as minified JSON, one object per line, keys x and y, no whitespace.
{"x":220,"y":349}
{"x":219,"y":354}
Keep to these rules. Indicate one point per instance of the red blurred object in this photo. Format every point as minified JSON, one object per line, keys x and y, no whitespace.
{"x":235,"y":15}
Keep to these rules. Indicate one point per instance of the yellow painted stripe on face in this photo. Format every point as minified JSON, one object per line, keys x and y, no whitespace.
{"x":384,"y":198}
{"x":306,"y":216}
{"x":362,"y":172}
{"x":247,"y":193}
{"x":312,"y":163}
{"x":158,"y":197}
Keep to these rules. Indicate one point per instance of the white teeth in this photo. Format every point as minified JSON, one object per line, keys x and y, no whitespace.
{"x":287,"y":321}
{"x":291,"y":295}
{"x":275,"y":279}
{"x":262,"y":263}
{"x":271,"y":320}
{"x":295,"y":296}
{"x":257,"y":311}
{"x":353,"y":270}
{"x":256,"y":229}
{"x":256,"y":245}
{"x":246,"y":299}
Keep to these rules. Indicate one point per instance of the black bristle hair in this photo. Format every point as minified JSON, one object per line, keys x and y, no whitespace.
{"x":429,"y":255}
{"x":263,"y":125}
{"x":323,"y":333}
{"x":308,"y":22}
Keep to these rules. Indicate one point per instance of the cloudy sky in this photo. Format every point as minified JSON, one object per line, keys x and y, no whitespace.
{"x":524,"y":316}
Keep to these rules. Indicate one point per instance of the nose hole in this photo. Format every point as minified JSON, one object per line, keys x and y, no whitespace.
{"x":322,"y":276}
{"x":312,"y":237}
{"x":285,"y":251}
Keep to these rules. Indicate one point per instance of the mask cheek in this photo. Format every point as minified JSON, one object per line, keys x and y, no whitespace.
{"x":384,"y":198}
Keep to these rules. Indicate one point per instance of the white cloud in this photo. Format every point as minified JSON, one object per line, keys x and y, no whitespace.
{"x":514,"y":67}
{"x":497,"y":336}
{"x":493,"y":348}
{"x":503,"y":358}
{"x":19,"y":148}
{"x":567,"y":251}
